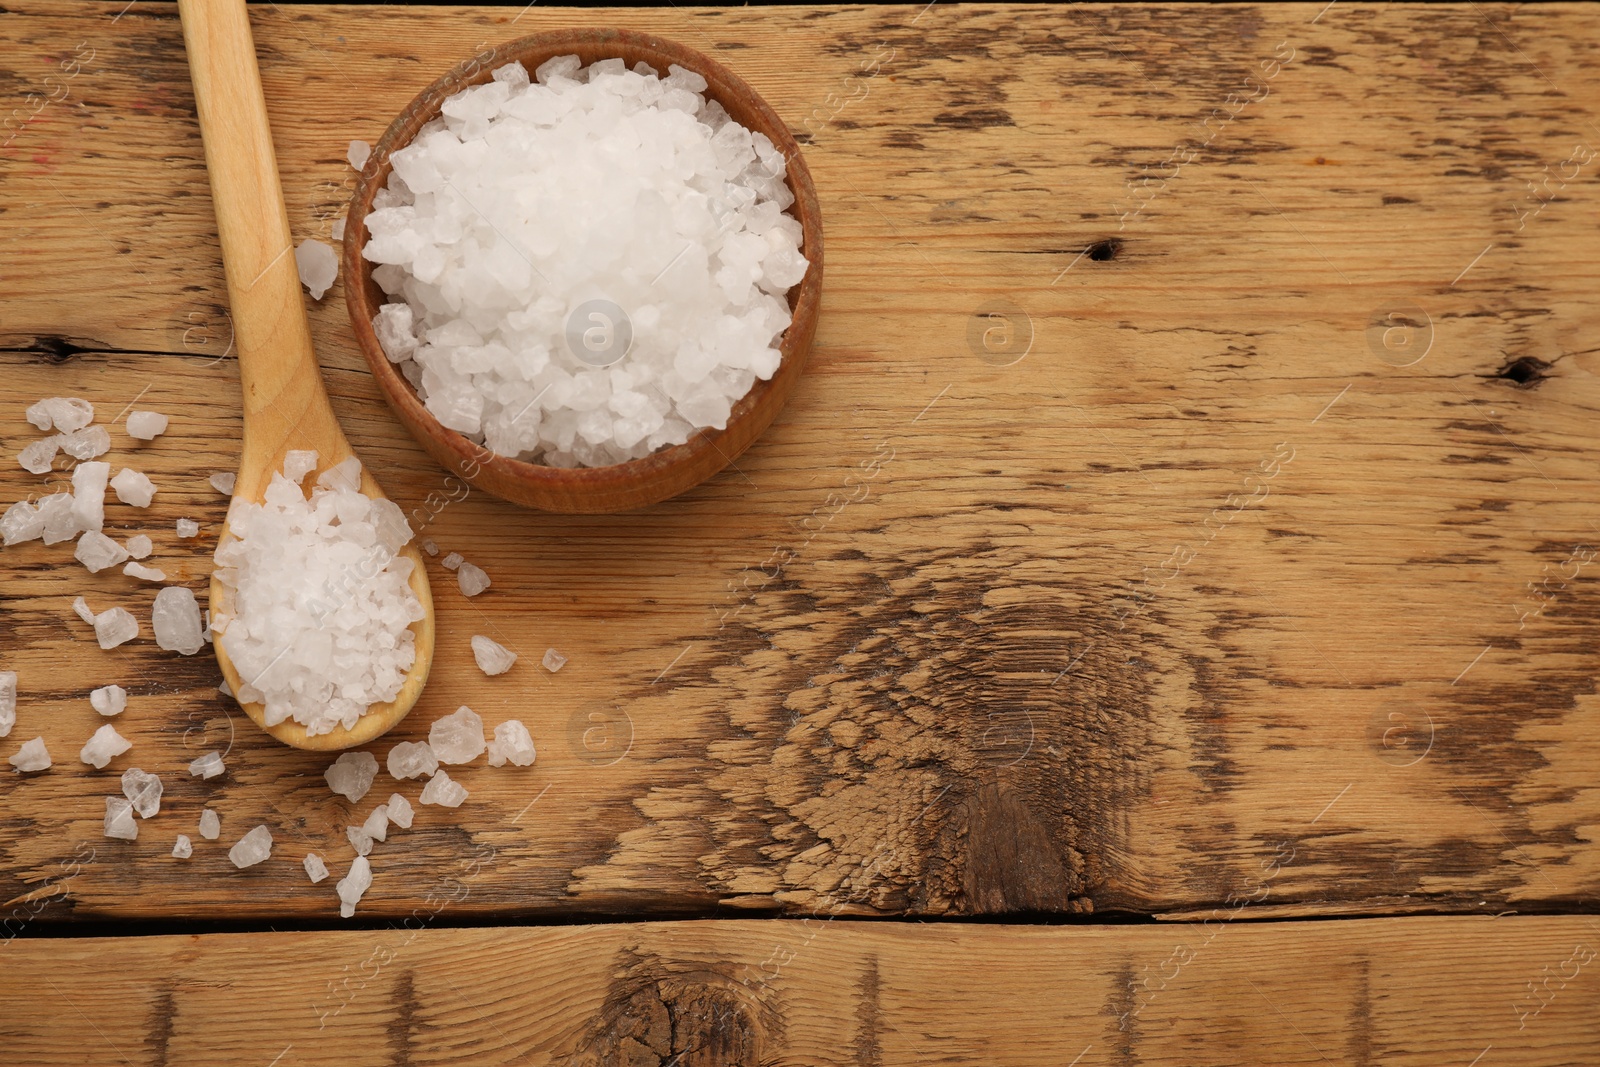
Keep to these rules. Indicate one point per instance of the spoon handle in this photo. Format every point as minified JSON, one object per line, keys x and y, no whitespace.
{"x":285,"y":405}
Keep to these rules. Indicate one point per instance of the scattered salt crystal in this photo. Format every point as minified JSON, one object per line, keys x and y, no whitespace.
{"x":298,"y":463}
{"x":81,"y":606}
{"x":457,"y":737}
{"x":377,"y":825}
{"x":146,"y":425}
{"x":109,"y":700}
{"x":133,"y":487}
{"x":105,"y":746}
{"x":223,"y":482}
{"x":353,"y":885}
{"x":139,"y":570}
{"x":87,"y":443}
{"x":139,"y":546}
{"x":8,"y":701}
{"x":400,"y":811}
{"x":493,"y":657}
{"x":360,"y":152}
{"x":451,"y":562}
{"x":359,"y":839}
{"x":182,"y":848}
{"x":188,"y":528}
{"x":252,"y":848}
{"x":316,"y":870}
{"x":210,"y":825}
{"x":32,"y":756}
{"x":512,"y":743}
{"x":60,"y":523}
{"x":338,"y":230}
{"x":409,"y":759}
{"x":430,"y":547}
{"x":351,"y":775}
{"x":471,"y":579}
{"x":37,"y":457}
{"x":143,"y":791}
{"x":175,"y":618}
{"x":318,"y":265}
{"x":21,"y":522}
{"x":444,"y":792}
{"x":96,"y":551}
{"x":89,"y":494}
{"x":66,"y":413}
{"x":115,"y":626}
{"x":553,"y":661}
{"x":120,"y":822}
{"x":208,"y":766}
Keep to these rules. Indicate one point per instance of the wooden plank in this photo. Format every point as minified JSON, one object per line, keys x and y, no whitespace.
{"x":1201,"y":600}
{"x":1422,"y":991}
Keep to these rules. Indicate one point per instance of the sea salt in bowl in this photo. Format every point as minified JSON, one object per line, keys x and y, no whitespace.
{"x":675,"y":467}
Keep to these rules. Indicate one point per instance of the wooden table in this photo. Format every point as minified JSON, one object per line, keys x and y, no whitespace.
{"x":1228,"y":381}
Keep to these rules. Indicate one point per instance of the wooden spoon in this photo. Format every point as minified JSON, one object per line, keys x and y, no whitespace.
{"x":285,"y":406}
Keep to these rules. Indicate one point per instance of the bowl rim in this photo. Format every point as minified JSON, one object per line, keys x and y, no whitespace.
{"x":473,"y":460}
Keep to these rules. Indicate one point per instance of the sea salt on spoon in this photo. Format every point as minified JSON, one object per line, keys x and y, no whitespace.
{"x":285,"y":405}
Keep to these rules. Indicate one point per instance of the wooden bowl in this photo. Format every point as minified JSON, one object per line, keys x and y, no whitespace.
{"x":664,"y":473}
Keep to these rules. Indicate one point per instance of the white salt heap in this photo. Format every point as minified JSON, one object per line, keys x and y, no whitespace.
{"x":588,"y":268}
{"x":208,"y":766}
{"x":252,"y":848}
{"x":316,"y":870}
{"x":146,"y":425}
{"x":149,"y":574}
{"x":553,"y":661}
{"x":353,"y":885}
{"x":188,"y":528}
{"x":319,"y":601}
{"x":133,"y":487}
{"x":493,"y":657}
{"x":114,"y":626}
{"x":471,"y":579}
{"x":351,"y":775}
{"x":512,"y":743}
{"x":444,"y":792}
{"x":105,"y":746}
{"x":182,"y":848}
{"x":8,"y":701}
{"x":65,"y":413}
{"x":175,"y":618}
{"x":223,"y":481}
{"x":119,"y":819}
{"x":32,"y":756}
{"x":139,"y":546}
{"x":210,"y":825}
{"x":318,"y":265}
{"x":89,"y":494}
{"x":457,"y":737}
{"x":97,"y":552}
{"x":400,"y":811}
{"x":109,"y":700}
{"x":143,"y":791}
{"x":409,"y":759}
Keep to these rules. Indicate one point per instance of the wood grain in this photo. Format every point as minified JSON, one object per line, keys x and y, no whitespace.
{"x":1205,"y":598}
{"x":1421,"y":991}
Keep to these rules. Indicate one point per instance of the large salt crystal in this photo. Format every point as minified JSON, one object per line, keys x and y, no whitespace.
{"x":553,"y":661}
{"x":210,"y":825}
{"x":115,"y":626}
{"x":89,"y":494}
{"x":120,"y":822}
{"x":512,"y":743}
{"x":8,"y":701}
{"x":81,"y":606}
{"x":359,"y":839}
{"x":143,"y":791}
{"x":96,"y":551}
{"x":37,"y":457}
{"x":87,"y":443}
{"x":182,"y":848}
{"x":351,"y":775}
{"x":208,"y":766}
{"x":133,"y":487}
{"x":139,"y":570}
{"x":66,"y":413}
{"x":451,"y":561}
{"x":32,"y":756}
{"x":471,"y":579}
{"x":146,"y":425}
{"x":316,"y":870}
{"x":139,"y":546}
{"x":400,"y":811}
{"x":59,"y":519}
{"x":105,"y":746}
{"x":188,"y":528}
{"x":175,"y":617}
{"x":109,"y":700}
{"x":359,"y":153}
{"x":444,"y":792}
{"x":353,"y":885}
{"x":409,"y":759}
{"x":21,"y":522}
{"x":493,"y":658}
{"x":336,"y":231}
{"x":223,"y":482}
{"x":377,"y":825}
{"x":318,"y":265}
{"x":252,"y":848}
{"x":457,"y":737}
